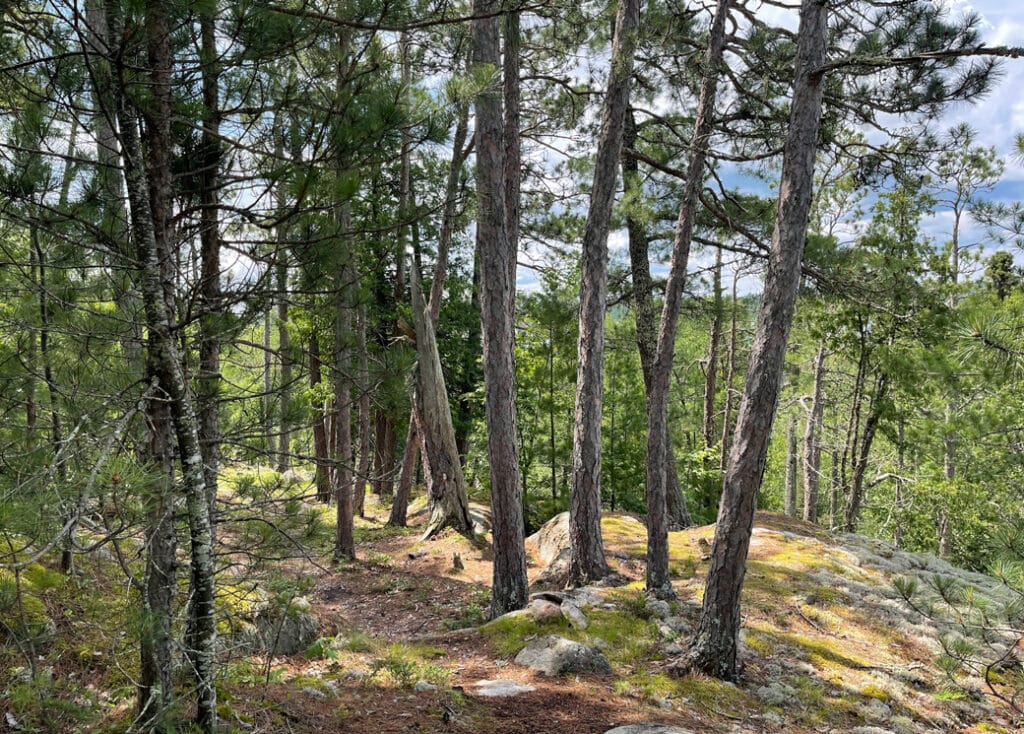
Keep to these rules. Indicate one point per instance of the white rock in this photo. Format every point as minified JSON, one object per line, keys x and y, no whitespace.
{"x":501,"y":688}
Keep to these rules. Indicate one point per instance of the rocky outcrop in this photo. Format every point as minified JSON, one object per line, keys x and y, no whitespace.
{"x":551,"y":544}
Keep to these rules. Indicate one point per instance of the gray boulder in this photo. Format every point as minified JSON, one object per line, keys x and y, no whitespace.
{"x":542,"y":611}
{"x":552,"y":545}
{"x":658,"y":608}
{"x":557,"y":655}
{"x":552,"y":539}
{"x":575,"y":615}
{"x":286,"y":630}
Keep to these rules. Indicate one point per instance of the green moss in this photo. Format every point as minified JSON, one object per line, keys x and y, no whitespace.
{"x":873,"y":691}
{"x":26,"y":621}
{"x":647,"y":684}
{"x":629,"y":640}
{"x":684,"y":569}
{"x":48,"y":706}
{"x":626,"y":640}
{"x":821,"y":652}
{"x":510,"y":633}
{"x":760,"y":642}
{"x":40,"y":578}
{"x":366,"y":534}
{"x":813,"y":706}
{"x":717,"y":696}
{"x":405,"y":665}
{"x":239,"y":600}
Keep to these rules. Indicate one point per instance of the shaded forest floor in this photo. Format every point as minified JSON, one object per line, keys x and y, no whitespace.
{"x":828,"y":645}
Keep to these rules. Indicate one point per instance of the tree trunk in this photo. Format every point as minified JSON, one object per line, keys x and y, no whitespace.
{"x":363,"y":385}
{"x":267,"y":403}
{"x":714,"y":647}
{"x":284,"y":349}
{"x":860,"y":465}
{"x":730,"y":379}
{"x":834,"y":487}
{"x":414,"y":439}
{"x":321,"y":456}
{"x":812,"y":441}
{"x":208,"y":397}
{"x":497,"y":252}
{"x":383,"y":456}
{"x":587,"y":562}
{"x":643,"y":310}
{"x":155,"y":687}
{"x":901,"y":447}
{"x":791,"y":488}
{"x":150,"y":224}
{"x":711,"y":373}
{"x":346,"y":281}
{"x":658,"y":581}
{"x":156,"y":691}
{"x":447,"y":499}
{"x":52,"y":391}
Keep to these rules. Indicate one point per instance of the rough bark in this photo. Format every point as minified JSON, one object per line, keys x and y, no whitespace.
{"x":587,"y":562}
{"x":384,"y":456}
{"x":812,"y":440}
{"x":509,"y":585}
{"x":155,"y":688}
{"x":208,"y":393}
{"x":791,"y":461}
{"x":267,"y":401}
{"x":714,"y":647}
{"x":447,"y":499}
{"x":658,"y":581}
{"x":646,"y":330}
{"x":284,"y":344}
{"x":497,"y":252}
{"x":345,"y":282}
{"x":156,"y":691}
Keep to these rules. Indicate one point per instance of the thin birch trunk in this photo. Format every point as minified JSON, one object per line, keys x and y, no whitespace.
{"x":791,"y":461}
{"x":363,"y":386}
{"x":812,"y":440}
{"x":148,"y":182}
{"x":321,"y":455}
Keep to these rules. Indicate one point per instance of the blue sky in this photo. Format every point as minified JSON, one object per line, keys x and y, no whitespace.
{"x":997,"y":118}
